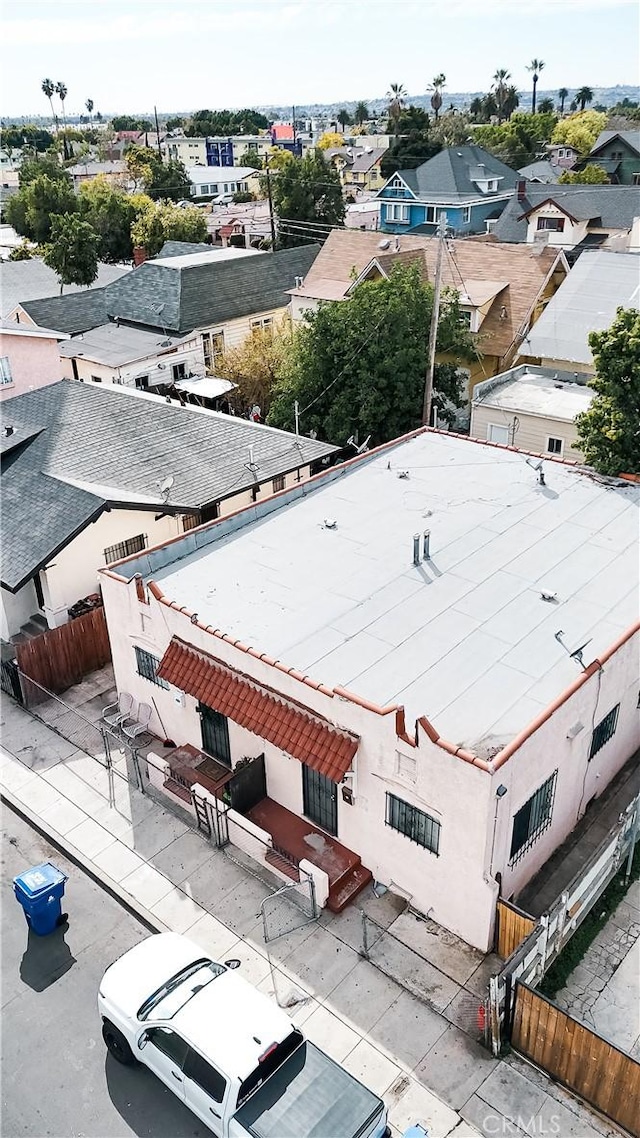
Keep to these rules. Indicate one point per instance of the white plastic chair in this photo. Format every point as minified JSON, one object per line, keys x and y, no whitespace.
{"x":139,"y":725}
{"x":115,"y":714}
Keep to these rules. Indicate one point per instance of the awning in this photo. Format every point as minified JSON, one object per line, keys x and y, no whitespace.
{"x":206,"y":386}
{"x":305,"y":736}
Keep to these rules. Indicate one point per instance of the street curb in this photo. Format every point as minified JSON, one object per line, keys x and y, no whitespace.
{"x":111,"y":887}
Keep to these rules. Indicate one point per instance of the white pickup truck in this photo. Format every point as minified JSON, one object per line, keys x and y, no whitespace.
{"x":226,"y":1050}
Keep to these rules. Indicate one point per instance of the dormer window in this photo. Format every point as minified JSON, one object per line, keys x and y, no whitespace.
{"x":487,"y":185}
{"x":552,"y":224}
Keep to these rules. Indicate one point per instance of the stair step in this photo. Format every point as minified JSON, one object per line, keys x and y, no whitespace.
{"x":40,"y":620}
{"x":348,"y":887}
{"x":280,"y":863}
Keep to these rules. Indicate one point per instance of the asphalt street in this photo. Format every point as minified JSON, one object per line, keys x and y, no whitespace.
{"x":57,"y":1079}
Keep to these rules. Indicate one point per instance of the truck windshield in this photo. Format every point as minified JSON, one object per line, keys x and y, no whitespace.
{"x":177,"y":991}
{"x":273,"y":1059}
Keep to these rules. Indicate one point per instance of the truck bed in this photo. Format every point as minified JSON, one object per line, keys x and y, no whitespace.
{"x":309,"y":1096}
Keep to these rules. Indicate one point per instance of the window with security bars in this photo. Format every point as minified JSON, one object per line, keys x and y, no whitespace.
{"x":277,"y":483}
{"x":532,"y":819}
{"x":605,"y":730}
{"x":148,"y":667}
{"x":125,"y":548}
{"x":413,"y":823}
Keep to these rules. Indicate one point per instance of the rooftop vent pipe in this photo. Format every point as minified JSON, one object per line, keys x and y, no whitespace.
{"x":425,"y":545}
{"x":8,"y":431}
{"x":416,"y":549}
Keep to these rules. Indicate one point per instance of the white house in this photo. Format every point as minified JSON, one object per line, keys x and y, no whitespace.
{"x":432,"y":650}
{"x":93,"y":473}
{"x":572,"y":217}
{"x":210,"y":181}
{"x":533,"y":408}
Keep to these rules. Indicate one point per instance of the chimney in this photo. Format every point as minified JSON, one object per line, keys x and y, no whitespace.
{"x":521,"y":188}
{"x":140,"y":255}
{"x":416,"y":549}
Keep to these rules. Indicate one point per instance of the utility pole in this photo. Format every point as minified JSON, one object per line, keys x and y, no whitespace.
{"x":155,"y":111}
{"x":293,"y":121}
{"x":433,"y":331}
{"x":271,"y":220}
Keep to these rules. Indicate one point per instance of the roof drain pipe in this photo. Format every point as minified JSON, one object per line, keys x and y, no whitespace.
{"x":416,"y":549}
{"x":425,"y":544}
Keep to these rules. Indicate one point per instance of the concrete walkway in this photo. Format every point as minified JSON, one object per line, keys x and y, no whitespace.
{"x":415,"y":1055}
{"x":604,"y":990}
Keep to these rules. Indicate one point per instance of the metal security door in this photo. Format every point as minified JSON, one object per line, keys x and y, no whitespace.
{"x":320,"y":799}
{"x":215,"y":734}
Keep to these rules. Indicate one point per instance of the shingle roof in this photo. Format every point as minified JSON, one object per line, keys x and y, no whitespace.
{"x":181,"y":248}
{"x":454,"y":170}
{"x":630,"y":137}
{"x":107,"y":444}
{"x":541,"y":171}
{"x":346,"y":253}
{"x":75,"y":313}
{"x":586,"y":302}
{"x":31,"y":280}
{"x":306,"y":737}
{"x":615,"y":206}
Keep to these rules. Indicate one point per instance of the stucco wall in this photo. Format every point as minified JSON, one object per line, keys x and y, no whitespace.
{"x":16,"y":608}
{"x":531,"y":432}
{"x":34,"y":362}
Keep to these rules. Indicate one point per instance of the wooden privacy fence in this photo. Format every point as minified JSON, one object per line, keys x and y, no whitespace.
{"x":62,"y":656}
{"x":512,"y":927}
{"x":578,"y":1058}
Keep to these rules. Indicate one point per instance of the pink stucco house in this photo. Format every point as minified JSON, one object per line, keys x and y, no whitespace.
{"x":29,"y":358}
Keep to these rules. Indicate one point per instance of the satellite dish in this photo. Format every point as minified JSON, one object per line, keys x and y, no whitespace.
{"x":165,"y":486}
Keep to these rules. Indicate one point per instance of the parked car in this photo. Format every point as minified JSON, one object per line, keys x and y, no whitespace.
{"x":222,"y":199}
{"x":226,"y":1050}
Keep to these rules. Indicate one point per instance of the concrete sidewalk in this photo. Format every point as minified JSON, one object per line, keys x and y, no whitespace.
{"x":416,"y":1056}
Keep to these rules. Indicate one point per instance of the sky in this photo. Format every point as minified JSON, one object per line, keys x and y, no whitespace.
{"x":193,"y":54}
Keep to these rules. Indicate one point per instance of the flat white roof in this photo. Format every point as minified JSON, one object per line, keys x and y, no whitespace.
{"x":538,"y":395}
{"x":187,"y":259}
{"x":464,"y":638}
{"x":202,"y":175}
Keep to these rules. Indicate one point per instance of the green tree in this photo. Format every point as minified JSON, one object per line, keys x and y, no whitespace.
{"x":307,"y":197}
{"x":162,"y":221}
{"x":519,"y":140}
{"x":226,"y":122}
{"x":62,"y":94}
{"x":500,"y":84}
{"x":396,"y":96}
{"x":592,"y":175}
{"x":609,"y":432}
{"x":343,"y":117}
{"x":414,"y":142}
{"x":546,"y":106}
{"x":437,"y":86}
{"x":26,"y":138}
{"x":361,"y":113}
{"x":563,"y":95}
{"x":111,"y":212}
{"x":257,"y":365}
{"x":330,"y":140}
{"x":358,"y":367}
{"x":49,"y":164}
{"x":89,"y":105}
{"x":175,"y":123}
{"x":580,"y":130}
{"x":48,"y":88}
{"x":21,"y":252}
{"x":584,"y":96}
{"x":535,"y":67}
{"x":128,"y":122}
{"x":32,"y":210}
{"x":251,"y":158}
{"x":73,"y":251}
{"x":168,"y":180}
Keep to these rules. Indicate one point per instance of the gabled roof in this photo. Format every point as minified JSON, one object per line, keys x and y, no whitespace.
{"x":182,"y":248}
{"x":457,"y":171}
{"x":541,"y":171}
{"x":12,"y":328}
{"x":630,"y":138}
{"x":308,"y":738}
{"x":101,"y":445}
{"x":73,"y":313}
{"x":616,"y":206}
{"x":586,"y":302}
{"x":522,"y":273}
{"x":24,"y":281}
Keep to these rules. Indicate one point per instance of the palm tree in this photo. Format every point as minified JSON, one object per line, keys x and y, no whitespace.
{"x":396,"y":96}
{"x":89,"y":106}
{"x":62,"y":94}
{"x":361,"y":113}
{"x":584,"y":96}
{"x":546,"y":106}
{"x":562,"y":95}
{"x":500,"y":89}
{"x":476,"y":107}
{"x":535,"y":67}
{"x":343,"y":117}
{"x":511,"y":101}
{"x":437,"y":86}
{"x":48,"y":89}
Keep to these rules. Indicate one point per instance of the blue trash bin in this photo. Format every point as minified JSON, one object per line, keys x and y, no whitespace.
{"x":40,"y":891}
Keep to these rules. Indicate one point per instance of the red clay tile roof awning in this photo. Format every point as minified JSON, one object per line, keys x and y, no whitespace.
{"x":306,"y":737}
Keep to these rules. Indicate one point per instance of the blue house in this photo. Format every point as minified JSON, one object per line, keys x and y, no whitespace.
{"x":465,"y":183}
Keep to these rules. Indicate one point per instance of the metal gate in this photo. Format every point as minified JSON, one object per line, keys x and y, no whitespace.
{"x":248,"y":786}
{"x":10,"y":680}
{"x":289,"y":908}
{"x":320,"y":799}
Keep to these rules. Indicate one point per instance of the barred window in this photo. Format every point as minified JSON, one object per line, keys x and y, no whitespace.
{"x":190,"y":521}
{"x":148,"y":667}
{"x":413,"y":823}
{"x":605,"y":730}
{"x":532,"y":819}
{"x":125,"y":548}
{"x":278,"y":483}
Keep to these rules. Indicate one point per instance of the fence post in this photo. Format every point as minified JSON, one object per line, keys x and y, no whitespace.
{"x":137,"y":766}
{"x":635,"y":827}
{"x":494,"y":1014}
{"x":542,"y":945}
{"x":365,"y":942}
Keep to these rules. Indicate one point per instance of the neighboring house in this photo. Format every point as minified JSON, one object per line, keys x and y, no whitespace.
{"x":209,"y":181}
{"x":532,"y":408}
{"x":221,"y":295}
{"x":91,"y":474}
{"x":598,"y":284}
{"x":131,"y":356}
{"x":465,"y":185}
{"x":228,"y":151}
{"x":29,"y":358}
{"x":618,"y":153}
{"x":542,"y":172}
{"x":572,"y":218}
{"x":358,"y":166}
{"x":32,"y":280}
{"x":503,"y":289}
{"x":411,"y":706}
{"x":562,"y":156}
{"x":114,"y":172}
{"x":363,"y":215}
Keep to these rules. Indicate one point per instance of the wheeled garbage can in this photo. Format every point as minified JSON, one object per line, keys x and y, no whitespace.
{"x":40,"y":891}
